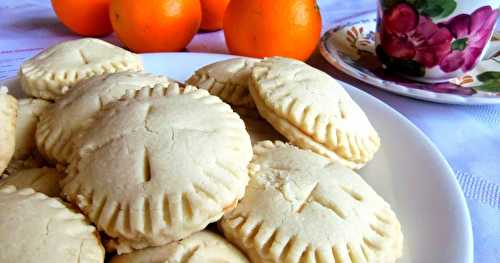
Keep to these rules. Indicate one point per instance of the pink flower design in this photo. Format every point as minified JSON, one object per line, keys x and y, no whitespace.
{"x":407,"y":35}
{"x":471,"y":33}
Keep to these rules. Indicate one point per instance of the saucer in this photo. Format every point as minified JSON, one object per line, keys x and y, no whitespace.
{"x":350,"y":47}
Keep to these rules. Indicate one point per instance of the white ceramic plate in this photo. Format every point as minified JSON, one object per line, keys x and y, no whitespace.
{"x":408,"y":171}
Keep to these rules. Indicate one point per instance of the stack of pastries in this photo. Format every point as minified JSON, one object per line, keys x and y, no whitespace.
{"x":249,"y":161}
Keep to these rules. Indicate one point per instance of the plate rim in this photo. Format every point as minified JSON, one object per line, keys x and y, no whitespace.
{"x":331,"y":56}
{"x":469,"y":237}
{"x":450,"y":175}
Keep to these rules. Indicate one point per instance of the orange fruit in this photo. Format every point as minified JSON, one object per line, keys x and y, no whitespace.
{"x":213,"y":14}
{"x":155,"y":25}
{"x":264,"y":28}
{"x":87,"y":18}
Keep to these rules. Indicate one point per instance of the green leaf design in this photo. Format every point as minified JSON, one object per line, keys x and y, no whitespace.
{"x":459,"y":44}
{"x":436,"y":8}
{"x":407,"y":67}
{"x":489,"y":86}
{"x":386,"y":4}
{"x":488,"y":75}
{"x":430,"y":8}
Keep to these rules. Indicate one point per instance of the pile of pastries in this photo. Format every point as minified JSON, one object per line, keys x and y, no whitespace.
{"x":249,"y":161}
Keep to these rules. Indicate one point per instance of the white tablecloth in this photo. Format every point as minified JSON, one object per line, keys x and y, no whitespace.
{"x":469,"y":137}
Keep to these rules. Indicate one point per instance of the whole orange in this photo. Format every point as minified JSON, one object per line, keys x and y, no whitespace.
{"x":155,"y":25}
{"x":263,"y":28}
{"x":87,"y":18}
{"x":213,"y":14}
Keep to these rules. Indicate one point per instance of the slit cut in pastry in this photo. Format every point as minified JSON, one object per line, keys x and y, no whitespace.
{"x":159,"y":165}
{"x":70,"y":113}
{"x":57,"y":69}
{"x":302,"y":207}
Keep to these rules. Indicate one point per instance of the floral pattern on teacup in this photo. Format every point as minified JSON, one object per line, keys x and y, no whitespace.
{"x":411,"y":42}
{"x":353,"y":46}
{"x":470,"y":33}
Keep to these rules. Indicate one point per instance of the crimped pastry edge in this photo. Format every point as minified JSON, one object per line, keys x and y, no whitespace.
{"x":125,"y":241}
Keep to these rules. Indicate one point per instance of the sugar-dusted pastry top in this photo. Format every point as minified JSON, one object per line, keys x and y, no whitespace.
{"x":70,"y":113}
{"x":302,"y":207}
{"x":50,"y":232}
{"x":148,"y":163}
{"x":159,"y":165}
{"x":57,"y":69}
{"x":8,"y":116}
{"x":313,"y":111}
{"x":201,"y":247}
{"x":227,"y":79}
